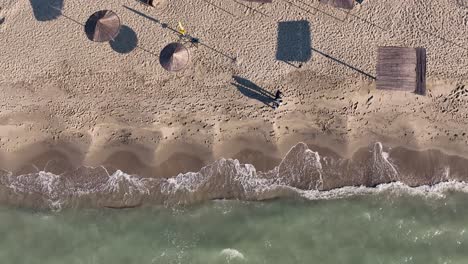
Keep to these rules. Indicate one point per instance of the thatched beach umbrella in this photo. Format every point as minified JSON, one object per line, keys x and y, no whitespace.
{"x":174,"y":57}
{"x":102,"y":26}
{"x":401,"y":68}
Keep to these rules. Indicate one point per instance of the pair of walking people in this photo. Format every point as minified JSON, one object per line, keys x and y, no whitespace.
{"x":278,"y":100}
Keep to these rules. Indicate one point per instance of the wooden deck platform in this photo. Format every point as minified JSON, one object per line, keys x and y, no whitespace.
{"x":401,"y":68}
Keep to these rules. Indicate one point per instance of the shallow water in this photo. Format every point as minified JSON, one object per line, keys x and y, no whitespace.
{"x":376,"y":228}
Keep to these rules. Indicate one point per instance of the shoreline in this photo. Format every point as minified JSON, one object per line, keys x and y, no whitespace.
{"x":82,"y":103}
{"x":301,"y":173}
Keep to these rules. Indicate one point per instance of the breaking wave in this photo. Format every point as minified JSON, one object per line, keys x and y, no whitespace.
{"x":302,"y":173}
{"x":232,"y":254}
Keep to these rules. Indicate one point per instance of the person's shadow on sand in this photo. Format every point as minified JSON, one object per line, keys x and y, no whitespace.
{"x":45,"y":10}
{"x":253,"y":91}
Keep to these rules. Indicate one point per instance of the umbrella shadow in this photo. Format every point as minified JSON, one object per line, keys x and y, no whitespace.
{"x":45,"y":10}
{"x":251,"y":90}
{"x":294,"y":41}
{"x":126,"y":41}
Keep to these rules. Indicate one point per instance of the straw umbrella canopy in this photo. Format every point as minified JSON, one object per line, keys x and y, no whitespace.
{"x":174,"y":57}
{"x":102,"y":26}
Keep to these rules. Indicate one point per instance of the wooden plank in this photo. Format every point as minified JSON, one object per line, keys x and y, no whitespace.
{"x":421,"y":71}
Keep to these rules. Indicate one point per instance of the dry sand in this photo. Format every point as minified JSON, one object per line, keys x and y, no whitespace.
{"x":65,"y":96}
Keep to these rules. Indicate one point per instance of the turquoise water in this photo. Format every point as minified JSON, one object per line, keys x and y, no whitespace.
{"x":383,"y":228}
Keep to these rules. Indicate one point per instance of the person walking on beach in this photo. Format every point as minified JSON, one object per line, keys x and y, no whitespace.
{"x":278,"y":99}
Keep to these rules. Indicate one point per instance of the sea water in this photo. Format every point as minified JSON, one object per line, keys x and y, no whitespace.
{"x":373,"y":228}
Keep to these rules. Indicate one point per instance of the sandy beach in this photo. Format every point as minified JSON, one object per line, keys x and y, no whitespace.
{"x":76,"y":102}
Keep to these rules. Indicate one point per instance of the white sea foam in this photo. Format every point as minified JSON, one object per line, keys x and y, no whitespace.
{"x":120,"y":181}
{"x":232,"y":254}
{"x":44,"y":182}
{"x":300,"y":173}
{"x":189,"y":182}
{"x":47,"y":183}
{"x":383,"y":165}
{"x":434,"y":191}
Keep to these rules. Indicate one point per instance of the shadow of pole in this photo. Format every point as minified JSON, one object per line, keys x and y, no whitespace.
{"x":299,"y":7}
{"x":347,"y":13}
{"x":164,"y":25}
{"x":217,"y":51}
{"x":317,"y":10}
{"x":251,"y":8}
{"x":350,"y":14}
{"x":220,"y":8}
{"x":345,"y":64}
{"x":367,"y":21}
{"x":292,"y":65}
{"x":145,"y":50}
{"x":73,"y":20}
{"x":443,"y":39}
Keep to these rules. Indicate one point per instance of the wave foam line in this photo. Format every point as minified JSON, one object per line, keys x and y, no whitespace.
{"x":438,"y":190}
{"x":302,"y":173}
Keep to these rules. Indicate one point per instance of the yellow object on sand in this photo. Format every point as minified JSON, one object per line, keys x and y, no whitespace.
{"x":181,"y":29}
